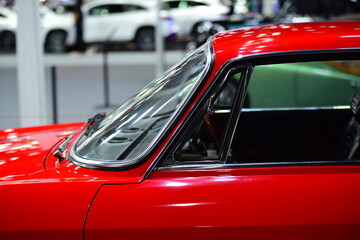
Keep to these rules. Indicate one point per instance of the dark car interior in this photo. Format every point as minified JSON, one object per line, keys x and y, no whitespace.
{"x":297,"y":134}
{"x":290,"y":135}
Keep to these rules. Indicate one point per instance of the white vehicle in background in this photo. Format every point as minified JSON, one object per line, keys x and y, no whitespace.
{"x":7,"y":28}
{"x":191,"y":14}
{"x":54,"y":29}
{"x":124,"y":21}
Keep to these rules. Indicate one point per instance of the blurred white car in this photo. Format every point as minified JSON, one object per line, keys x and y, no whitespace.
{"x":190,"y":14}
{"x":54,"y":29}
{"x":7,"y":28}
{"x":124,"y":21}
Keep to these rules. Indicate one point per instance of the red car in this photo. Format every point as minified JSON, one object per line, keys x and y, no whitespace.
{"x":188,"y":158}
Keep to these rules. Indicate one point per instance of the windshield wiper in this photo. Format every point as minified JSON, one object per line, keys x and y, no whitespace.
{"x":93,"y":124}
{"x":59,"y":153}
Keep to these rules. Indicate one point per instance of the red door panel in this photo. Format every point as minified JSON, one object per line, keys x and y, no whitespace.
{"x":283,"y":203}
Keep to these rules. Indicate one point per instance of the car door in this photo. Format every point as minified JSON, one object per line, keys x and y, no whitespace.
{"x":96,"y":27}
{"x":225,"y":203}
{"x":200,"y":188}
{"x":112,"y":22}
{"x":187,"y":14}
{"x":130,"y":20}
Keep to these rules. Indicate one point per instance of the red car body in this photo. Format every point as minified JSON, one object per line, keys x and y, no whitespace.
{"x":44,"y":198}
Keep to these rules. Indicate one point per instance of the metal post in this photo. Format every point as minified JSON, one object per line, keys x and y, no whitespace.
{"x":159,"y":41}
{"x":106,"y":77}
{"x":31,"y":74}
{"x":54,"y":95}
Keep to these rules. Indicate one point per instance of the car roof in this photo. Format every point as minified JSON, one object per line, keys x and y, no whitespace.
{"x":278,"y":38}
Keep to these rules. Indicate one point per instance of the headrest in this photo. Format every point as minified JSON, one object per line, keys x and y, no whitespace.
{"x":355,"y":106}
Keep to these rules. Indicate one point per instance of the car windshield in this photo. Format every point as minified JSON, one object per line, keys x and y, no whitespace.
{"x":125,"y":135}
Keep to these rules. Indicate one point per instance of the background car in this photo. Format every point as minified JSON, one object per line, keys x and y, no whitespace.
{"x":54,"y":29}
{"x":189,"y":15}
{"x":123,"y":21}
{"x":7,"y":28}
{"x":184,"y":158}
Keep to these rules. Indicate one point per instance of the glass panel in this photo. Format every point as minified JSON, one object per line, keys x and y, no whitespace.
{"x":305,"y":84}
{"x":100,"y":10}
{"x":204,"y":141}
{"x":130,"y":130}
{"x":117,"y":8}
{"x":298,"y":117}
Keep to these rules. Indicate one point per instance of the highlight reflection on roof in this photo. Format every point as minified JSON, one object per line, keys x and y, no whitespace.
{"x":286,"y":37}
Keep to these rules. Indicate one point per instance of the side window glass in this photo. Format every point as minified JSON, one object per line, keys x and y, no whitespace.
{"x":106,"y":9}
{"x":117,"y":8}
{"x":299,"y":112}
{"x":195,"y":4}
{"x":132,"y":8}
{"x":203,"y":142}
{"x":303,"y":84}
{"x":100,"y":10}
{"x":171,"y":5}
{"x":183,"y":4}
{"x":166,"y":6}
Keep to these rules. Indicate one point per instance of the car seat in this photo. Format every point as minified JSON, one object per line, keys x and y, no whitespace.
{"x":351,"y":138}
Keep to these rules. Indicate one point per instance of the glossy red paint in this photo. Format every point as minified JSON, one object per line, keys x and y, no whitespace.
{"x":284,"y":38}
{"x":51,"y":202}
{"x":23,"y":150}
{"x":59,"y":200}
{"x":26,"y":131}
{"x":258,"y":203}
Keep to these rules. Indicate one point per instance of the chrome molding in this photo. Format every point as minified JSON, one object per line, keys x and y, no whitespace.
{"x":293,"y":109}
{"x":223,"y":111}
{"x":253,"y":165}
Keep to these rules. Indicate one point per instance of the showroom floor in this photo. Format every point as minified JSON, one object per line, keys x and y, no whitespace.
{"x":80,"y":85}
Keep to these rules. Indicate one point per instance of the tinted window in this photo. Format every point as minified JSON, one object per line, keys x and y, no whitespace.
{"x":132,"y":8}
{"x":105,"y":9}
{"x":171,"y":5}
{"x":194,"y":4}
{"x":181,"y":4}
{"x":114,"y":8}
